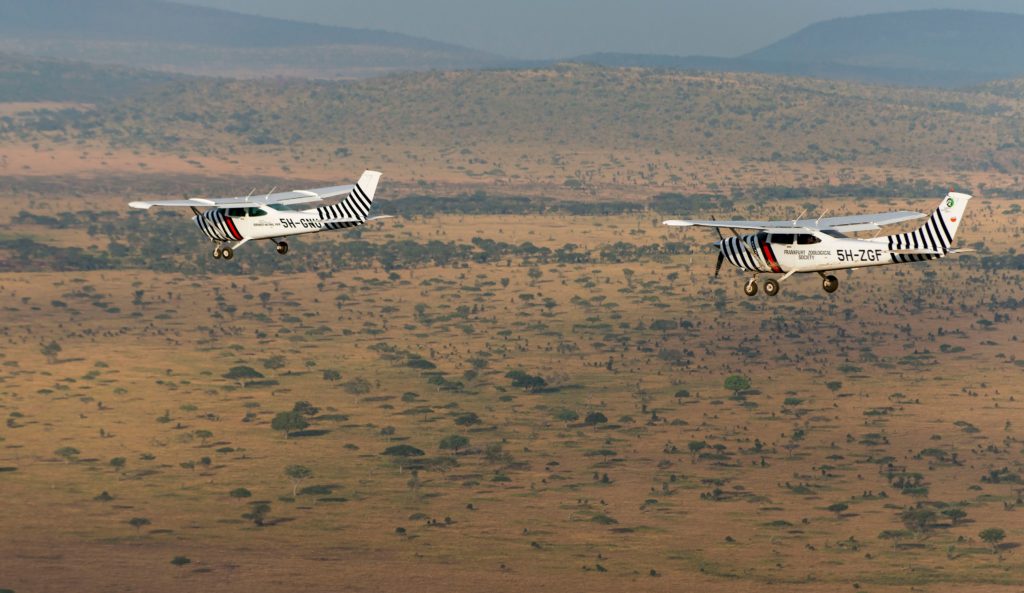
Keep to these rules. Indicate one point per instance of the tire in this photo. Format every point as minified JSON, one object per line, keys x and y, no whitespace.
{"x":282,"y":248}
{"x":227,"y":253}
{"x":216,"y":252}
{"x":750,"y":288}
{"x":771,"y":287}
{"x":830,"y":283}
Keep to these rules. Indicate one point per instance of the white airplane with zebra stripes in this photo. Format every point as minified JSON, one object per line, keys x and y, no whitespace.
{"x":233,"y":222}
{"x":821,"y":245}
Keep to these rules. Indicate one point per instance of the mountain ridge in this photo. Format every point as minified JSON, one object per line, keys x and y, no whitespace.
{"x":169,"y":36}
{"x":916,"y":48}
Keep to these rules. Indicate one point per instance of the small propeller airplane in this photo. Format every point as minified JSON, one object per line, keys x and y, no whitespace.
{"x":275,"y":216}
{"x":821,"y":245}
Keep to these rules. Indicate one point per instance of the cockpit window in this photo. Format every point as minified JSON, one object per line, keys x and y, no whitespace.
{"x":234,"y":212}
{"x":256,"y":212}
{"x":782,"y":238}
{"x":807,"y":240}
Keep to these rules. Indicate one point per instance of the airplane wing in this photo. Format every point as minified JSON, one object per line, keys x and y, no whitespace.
{"x":298,"y":196}
{"x":869,"y":222}
{"x":853,"y":223}
{"x":753,"y":225}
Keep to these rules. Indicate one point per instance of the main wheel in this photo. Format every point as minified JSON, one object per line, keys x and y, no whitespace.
{"x":216,"y":252}
{"x":282,"y":248}
{"x":750,"y":288}
{"x":227,"y":253}
{"x":830,"y":283}
{"x":771,"y":287}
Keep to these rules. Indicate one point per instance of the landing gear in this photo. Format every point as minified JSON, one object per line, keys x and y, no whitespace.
{"x":750,"y":288}
{"x":771,"y":287}
{"x":216,"y":252}
{"x":226,"y":252}
{"x":282,"y":248}
{"x":830,"y":283}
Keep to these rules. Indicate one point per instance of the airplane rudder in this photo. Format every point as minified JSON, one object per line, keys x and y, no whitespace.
{"x":368,"y":183}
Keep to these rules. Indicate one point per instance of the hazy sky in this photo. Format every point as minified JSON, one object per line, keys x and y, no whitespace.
{"x":565,"y":28}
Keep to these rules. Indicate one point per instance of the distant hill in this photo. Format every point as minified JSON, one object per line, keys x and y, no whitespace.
{"x":178,"y":37}
{"x":27,"y":78}
{"x":754,"y":117}
{"x":944,"y":48}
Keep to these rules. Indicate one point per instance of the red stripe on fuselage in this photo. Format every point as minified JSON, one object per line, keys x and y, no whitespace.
{"x":769,"y":256}
{"x":231,"y":227}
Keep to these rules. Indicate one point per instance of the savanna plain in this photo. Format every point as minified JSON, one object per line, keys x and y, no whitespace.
{"x":513,"y":387}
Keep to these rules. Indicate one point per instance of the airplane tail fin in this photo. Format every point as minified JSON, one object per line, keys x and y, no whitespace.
{"x":936,"y":235}
{"x":358,"y":202}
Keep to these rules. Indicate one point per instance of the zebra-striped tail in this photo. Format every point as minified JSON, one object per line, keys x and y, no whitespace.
{"x":355,"y":208}
{"x":935,"y":235}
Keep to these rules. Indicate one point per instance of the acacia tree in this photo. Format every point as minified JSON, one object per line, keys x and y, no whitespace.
{"x":288,"y":421}
{"x":918,"y":520}
{"x":955,"y":515}
{"x":257,"y":513}
{"x":297,"y":474}
{"x":993,"y":536}
{"x":51,"y":350}
{"x":454,"y":442}
{"x":68,"y":454}
{"x":695,"y":447}
{"x":838,"y":508}
{"x":138,"y":523}
{"x":566,"y":416}
{"x":737,"y":383}
{"x":243,"y":374}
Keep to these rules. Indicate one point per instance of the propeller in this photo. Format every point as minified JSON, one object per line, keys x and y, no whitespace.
{"x":721,"y":254}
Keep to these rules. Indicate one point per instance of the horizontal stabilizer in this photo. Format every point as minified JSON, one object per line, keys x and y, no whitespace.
{"x":340,"y":221}
{"x":351,"y":220}
{"x":915,"y":252}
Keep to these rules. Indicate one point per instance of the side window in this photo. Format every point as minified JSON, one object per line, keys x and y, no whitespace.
{"x":782,"y":239}
{"x":807,"y":240}
{"x":256,"y":212}
{"x":235,"y":212}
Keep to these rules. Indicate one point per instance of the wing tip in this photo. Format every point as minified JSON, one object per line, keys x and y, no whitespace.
{"x":140,"y":205}
{"x":677,"y":223}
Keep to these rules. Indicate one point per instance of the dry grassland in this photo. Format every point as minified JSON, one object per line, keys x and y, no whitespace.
{"x":923,"y":360}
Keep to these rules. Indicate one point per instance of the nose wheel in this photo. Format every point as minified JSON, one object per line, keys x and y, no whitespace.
{"x":750,"y":288}
{"x":830,"y":283}
{"x":282,"y":248}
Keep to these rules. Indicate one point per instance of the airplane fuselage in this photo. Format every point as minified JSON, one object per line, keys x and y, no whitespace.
{"x":261,"y":222}
{"x":809,"y":252}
